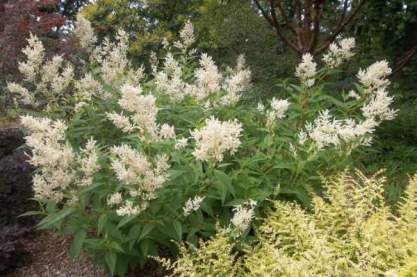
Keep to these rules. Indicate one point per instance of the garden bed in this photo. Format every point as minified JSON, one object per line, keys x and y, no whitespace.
{"x":47,"y":255}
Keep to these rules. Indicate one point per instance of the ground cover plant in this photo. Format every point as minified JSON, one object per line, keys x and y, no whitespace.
{"x":130,"y":163}
{"x":350,"y":231}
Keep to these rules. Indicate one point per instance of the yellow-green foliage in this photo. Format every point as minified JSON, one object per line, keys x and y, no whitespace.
{"x":349,"y":232}
{"x":213,"y":258}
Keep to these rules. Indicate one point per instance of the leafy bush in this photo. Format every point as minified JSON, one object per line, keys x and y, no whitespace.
{"x":349,"y":232}
{"x":144,"y":162}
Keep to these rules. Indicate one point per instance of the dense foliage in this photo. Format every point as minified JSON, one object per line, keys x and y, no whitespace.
{"x":348,"y":232}
{"x":128,"y":163}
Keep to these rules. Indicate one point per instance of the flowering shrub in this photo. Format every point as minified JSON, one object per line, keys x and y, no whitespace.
{"x":45,"y":82}
{"x":146,"y":161}
{"x":349,"y":232}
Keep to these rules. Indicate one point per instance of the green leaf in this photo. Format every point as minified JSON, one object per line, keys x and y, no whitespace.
{"x":122,"y":267}
{"x":78,"y":241}
{"x":101,"y":223}
{"x":54,"y":218}
{"x":145,"y":231}
{"x":90,"y":188}
{"x":116,"y":246}
{"x":284,"y":165}
{"x":178,"y":230}
{"x":174,"y":174}
{"x":111,"y":259}
{"x":30,"y":213}
{"x":125,"y":220}
{"x":144,"y":246}
{"x":96,"y":244}
{"x":222,"y":191}
{"x":134,"y":231}
{"x":225,"y":184}
{"x":207,"y":208}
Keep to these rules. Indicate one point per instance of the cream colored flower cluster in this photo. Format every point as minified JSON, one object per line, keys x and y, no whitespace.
{"x":170,"y":80}
{"x":86,"y":88}
{"x":209,"y":86}
{"x":166,"y":131}
{"x":306,"y":70}
{"x":378,"y":108}
{"x":143,"y":109}
{"x":374,"y":77}
{"x":48,"y":79}
{"x":53,"y":157}
{"x":186,"y":36}
{"x":207,"y":77}
{"x":278,"y":109}
{"x":239,"y":80}
{"x":84,"y":32}
{"x":326,"y":130}
{"x":59,"y":166}
{"x":216,"y":138}
{"x":35,"y":53}
{"x":181,"y":143}
{"x":114,"y":199}
{"x":61,"y":170}
{"x":25,"y":96}
{"x":243,"y":216}
{"x":88,"y":162}
{"x":339,"y":52}
{"x":375,"y":83}
{"x":140,"y":177}
{"x":192,"y":204}
{"x":128,"y":209}
{"x":113,"y":63}
{"x":209,"y":82}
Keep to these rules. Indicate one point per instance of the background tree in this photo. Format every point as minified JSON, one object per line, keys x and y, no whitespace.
{"x":226,"y":29}
{"x":304,"y":25}
{"x":17,"y":20}
{"x":389,"y":29}
{"x":147,"y":22}
{"x":69,"y":8}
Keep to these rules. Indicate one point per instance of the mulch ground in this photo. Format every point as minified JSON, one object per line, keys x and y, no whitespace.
{"x":48,"y":257}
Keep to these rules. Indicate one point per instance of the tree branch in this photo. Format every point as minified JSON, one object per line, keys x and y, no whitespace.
{"x":405,"y":59}
{"x":285,"y":16}
{"x":263,"y":12}
{"x":318,"y":7}
{"x":278,"y":29}
{"x":297,"y":8}
{"x":340,"y":26}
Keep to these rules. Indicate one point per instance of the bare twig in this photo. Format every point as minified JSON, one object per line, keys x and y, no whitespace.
{"x":339,"y":26}
{"x":278,"y":29}
{"x":305,"y":23}
{"x":404,"y":60}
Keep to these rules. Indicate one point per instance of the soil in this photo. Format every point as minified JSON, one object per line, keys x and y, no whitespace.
{"x":48,"y":257}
